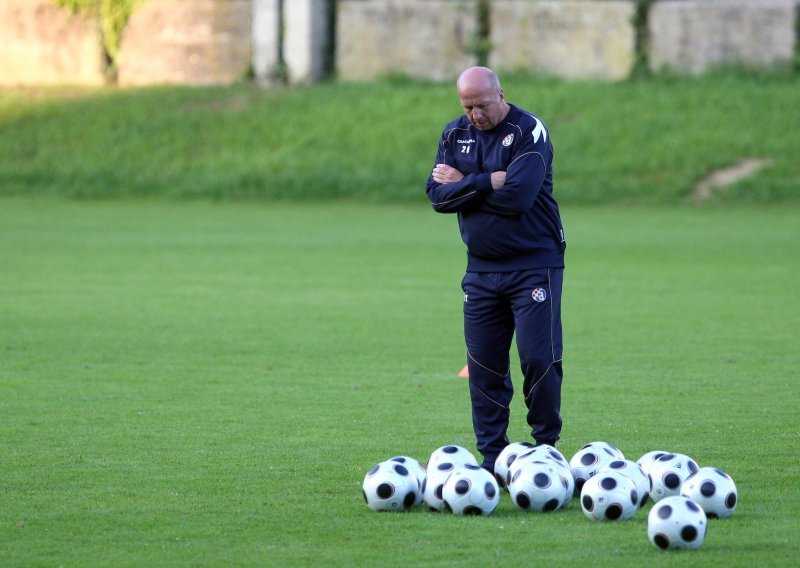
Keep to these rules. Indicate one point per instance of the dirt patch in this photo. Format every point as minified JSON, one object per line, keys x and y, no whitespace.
{"x":724,"y":177}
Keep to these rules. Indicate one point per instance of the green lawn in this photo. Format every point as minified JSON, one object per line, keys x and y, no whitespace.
{"x":207,"y":384}
{"x":647,"y":140}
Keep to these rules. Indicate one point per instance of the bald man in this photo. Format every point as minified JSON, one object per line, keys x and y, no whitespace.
{"x":494,"y":171}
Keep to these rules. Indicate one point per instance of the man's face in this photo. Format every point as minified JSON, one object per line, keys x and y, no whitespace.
{"x":485,"y":107}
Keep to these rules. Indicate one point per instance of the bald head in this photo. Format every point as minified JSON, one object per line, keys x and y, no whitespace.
{"x":480,"y":79}
{"x":481,"y":97}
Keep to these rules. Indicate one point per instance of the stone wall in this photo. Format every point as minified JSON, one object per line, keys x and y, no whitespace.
{"x":44,"y":45}
{"x":428,"y":39}
{"x":266,"y":41}
{"x":223,"y":41}
{"x":187,"y":41}
{"x":306,"y":38}
{"x":571,"y":39}
{"x":692,"y":36}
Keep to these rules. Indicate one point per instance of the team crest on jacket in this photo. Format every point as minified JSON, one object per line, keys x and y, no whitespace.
{"x":539,"y":295}
{"x":508,"y":139}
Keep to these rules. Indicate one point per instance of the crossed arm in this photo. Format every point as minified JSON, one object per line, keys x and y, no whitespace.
{"x":442,"y":173}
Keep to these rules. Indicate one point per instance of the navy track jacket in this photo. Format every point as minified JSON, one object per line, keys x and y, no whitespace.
{"x":518,"y":226}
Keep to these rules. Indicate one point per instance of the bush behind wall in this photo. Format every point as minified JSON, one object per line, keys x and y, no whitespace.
{"x":112,"y":17}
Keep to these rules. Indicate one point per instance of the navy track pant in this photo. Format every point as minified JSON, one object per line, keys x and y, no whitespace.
{"x":496,"y":305}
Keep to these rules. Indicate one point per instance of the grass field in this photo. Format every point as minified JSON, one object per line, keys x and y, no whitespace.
{"x":207,"y":384}
{"x":643,"y":141}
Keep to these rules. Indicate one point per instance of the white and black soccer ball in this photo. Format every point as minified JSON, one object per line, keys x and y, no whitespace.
{"x":550,"y":455}
{"x":606,"y":447}
{"x":457,"y":455}
{"x":566,"y":479}
{"x":390,"y":486}
{"x":538,"y":486}
{"x":590,"y":459}
{"x":549,"y":452}
{"x":471,"y":490}
{"x":510,"y":453}
{"x":532,"y":455}
{"x":569,"y":481}
{"x":712,"y":489}
{"x":667,"y":474}
{"x":540,"y":453}
{"x":434,"y":484}
{"x":676,"y":522}
{"x":609,"y":496}
{"x":646,"y":461}
{"x":635,"y":473}
{"x":416,"y":469}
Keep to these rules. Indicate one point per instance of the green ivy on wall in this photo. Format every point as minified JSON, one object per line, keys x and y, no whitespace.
{"x":112,"y":17}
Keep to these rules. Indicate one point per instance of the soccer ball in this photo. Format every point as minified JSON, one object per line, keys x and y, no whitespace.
{"x":549,"y":452}
{"x":667,"y":474}
{"x":712,"y":489}
{"x":646,"y":461}
{"x":635,"y":473}
{"x":566,"y":474}
{"x":550,"y":455}
{"x":609,"y":496}
{"x":510,"y":453}
{"x":676,"y":522}
{"x":538,"y":486}
{"x":590,"y":459}
{"x":390,"y":486}
{"x":536,"y":453}
{"x":471,"y":490}
{"x":606,"y":447}
{"x":434,"y":484}
{"x":416,"y":469}
{"x":567,"y":479}
{"x":451,"y":454}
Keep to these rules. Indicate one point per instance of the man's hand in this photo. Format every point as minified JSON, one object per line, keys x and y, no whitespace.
{"x":442,"y":173}
{"x":498,"y":179}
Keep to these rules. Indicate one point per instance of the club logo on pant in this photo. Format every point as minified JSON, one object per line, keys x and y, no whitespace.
{"x":539,"y":295}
